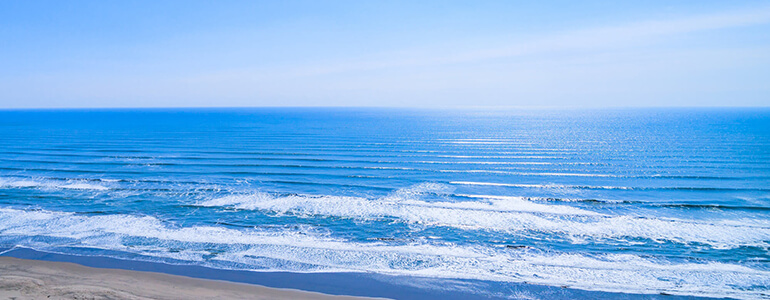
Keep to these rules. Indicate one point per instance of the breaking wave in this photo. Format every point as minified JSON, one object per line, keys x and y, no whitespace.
{"x":72,"y":184}
{"x":507,"y":214}
{"x":308,"y":251}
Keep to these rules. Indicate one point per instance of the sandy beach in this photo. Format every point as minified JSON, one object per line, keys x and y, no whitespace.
{"x":35,"y":279}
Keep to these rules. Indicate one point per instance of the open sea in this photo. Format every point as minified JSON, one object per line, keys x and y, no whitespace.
{"x":649,"y":201}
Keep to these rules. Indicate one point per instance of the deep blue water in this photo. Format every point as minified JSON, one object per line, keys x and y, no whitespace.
{"x":631,"y":200}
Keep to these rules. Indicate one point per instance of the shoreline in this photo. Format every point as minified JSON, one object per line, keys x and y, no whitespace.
{"x":38,"y":279}
{"x":274,"y":285}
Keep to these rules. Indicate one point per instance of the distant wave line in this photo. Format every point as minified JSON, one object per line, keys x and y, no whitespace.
{"x":546,"y":186}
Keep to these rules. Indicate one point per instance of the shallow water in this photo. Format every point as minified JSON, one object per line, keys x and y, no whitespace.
{"x":632,"y":200}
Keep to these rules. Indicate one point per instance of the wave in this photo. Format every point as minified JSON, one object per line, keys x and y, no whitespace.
{"x":303,"y":250}
{"x":73,"y":184}
{"x":631,"y":202}
{"x":599,"y":187}
{"x":404,"y":203}
{"x":442,"y":208}
{"x":514,"y":215}
{"x":551,"y":199}
{"x":713,"y":206}
{"x":83,"y":186}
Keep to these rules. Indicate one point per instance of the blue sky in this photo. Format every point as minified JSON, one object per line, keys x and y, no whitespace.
{"x":384,"y":53}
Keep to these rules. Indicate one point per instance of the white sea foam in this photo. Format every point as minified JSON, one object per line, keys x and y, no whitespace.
{"x":74,"y":184}
{"x":22,"y":184}
{"x":307,"y":252}
{"x":508,"y":214}
{"x":18,"y":183}
{"x":542,"y":186}
{"x":408,"y":209}
{"x":520,"y":174}
{"x":83,"y":186}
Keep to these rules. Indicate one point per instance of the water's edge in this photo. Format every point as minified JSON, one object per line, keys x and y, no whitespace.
{"x":350,"y":284}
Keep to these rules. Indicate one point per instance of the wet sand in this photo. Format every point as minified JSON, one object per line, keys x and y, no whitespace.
{"x":36,"y":279}
{"x":30,"y":274}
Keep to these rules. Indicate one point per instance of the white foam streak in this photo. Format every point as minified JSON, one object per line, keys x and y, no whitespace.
{"x":283,"y":250}
{"x":509,"y":214}
{"x":69,"y":225}
{"x":83,"y":186}
{"x":19,"y":183}
{"x":74,"y":184}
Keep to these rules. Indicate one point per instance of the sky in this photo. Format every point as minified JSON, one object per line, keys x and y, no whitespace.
{"x":78,"y":54}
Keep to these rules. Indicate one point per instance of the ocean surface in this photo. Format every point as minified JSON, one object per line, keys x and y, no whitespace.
{"x":672,"y":201}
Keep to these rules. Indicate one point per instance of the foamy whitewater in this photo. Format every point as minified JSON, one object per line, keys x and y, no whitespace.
{"x":669,"y":201}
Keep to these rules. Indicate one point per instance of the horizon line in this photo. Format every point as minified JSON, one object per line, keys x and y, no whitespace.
{"x":383,"y":107}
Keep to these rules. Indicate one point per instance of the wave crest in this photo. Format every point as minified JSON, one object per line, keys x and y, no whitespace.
{"x":287,"y":250}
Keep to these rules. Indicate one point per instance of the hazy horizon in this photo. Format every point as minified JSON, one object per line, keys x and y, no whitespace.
{"x":428,"y":54}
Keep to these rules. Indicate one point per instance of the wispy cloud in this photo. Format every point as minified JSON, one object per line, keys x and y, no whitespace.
{"x":602,"y":38}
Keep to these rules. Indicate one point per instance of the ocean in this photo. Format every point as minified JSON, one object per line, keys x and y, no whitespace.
{"x":647,"y":201}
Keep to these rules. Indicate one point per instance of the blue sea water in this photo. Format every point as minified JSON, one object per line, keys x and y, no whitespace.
{"x":625,"y":200}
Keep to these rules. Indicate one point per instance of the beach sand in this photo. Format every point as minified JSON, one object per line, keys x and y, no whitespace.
{"x":35,"y":279}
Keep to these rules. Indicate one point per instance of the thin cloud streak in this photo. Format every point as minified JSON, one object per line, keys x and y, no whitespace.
{"x":586,"y":39}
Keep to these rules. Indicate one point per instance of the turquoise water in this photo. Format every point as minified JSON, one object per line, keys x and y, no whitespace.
{"x":630,"y":200}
